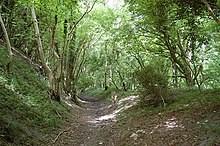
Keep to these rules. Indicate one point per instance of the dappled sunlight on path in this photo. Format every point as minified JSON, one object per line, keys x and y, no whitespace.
{"x":120,"y":106}
{"x":173,"y":123}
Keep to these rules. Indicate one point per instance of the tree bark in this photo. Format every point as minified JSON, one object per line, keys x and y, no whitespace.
{"x":112,"y":77}
{"x":105,"y":76}
{"x":175,"y":79}
{"x":70,"y":65}
{"x":49,"y":73}
{"x":56,"y":84}
{"x":8,"y":43}
{"x":122,"y":81}
{"x":182,"y":63}
{"x":40,"y":47}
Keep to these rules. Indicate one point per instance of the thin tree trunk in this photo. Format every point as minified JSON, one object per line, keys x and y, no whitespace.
{"x":56,"y":85}
{"x":64,"y":52}
{"x":122,"y":81}
{"x":105,"y":76}
{"x":46,"y":68}
{"x":211,"y":12}
{"x":175,"y":79}
{"x":40,"y":47}
{"x":112,"y":78}
{"x":69,"y":69}
{"x":139,"y":60}
{"x":7,"y":42}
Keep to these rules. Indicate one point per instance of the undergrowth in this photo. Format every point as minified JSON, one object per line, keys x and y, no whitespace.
{"x":100,"y":93}
{"x":26,"y":110}
{"x":180,"y":100}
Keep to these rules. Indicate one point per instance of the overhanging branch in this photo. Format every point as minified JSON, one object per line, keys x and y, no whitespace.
{"x":211,"y":12}
{"x":86,"y":12}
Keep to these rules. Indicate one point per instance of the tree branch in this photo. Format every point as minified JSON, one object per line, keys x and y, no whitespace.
{"x":211,"y":12}
{"x":86,"y":12}
{"x":6,"y":39}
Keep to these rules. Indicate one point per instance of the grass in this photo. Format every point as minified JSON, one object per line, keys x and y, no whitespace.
{"x":26,"y":110}
{"x":186,"y":97}
{"x":216,"y":128}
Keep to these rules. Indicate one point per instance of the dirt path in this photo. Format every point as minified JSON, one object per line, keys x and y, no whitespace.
{"x":98,"y":131}
{"x":89,"y":127}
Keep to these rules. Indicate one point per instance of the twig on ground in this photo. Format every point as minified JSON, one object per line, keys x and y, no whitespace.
{"x":58,"y":114}
{"x":61,"y":134}
{"x":164,"y":103}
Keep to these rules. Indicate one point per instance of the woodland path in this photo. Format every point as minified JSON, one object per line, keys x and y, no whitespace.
{"x":85,"y":128}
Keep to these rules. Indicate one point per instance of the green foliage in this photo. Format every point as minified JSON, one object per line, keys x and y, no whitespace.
{"x":102,"y":13}
{"x":218,"y":3}
{"x":212,"y":72}
{"x":181,"y":22}
{"x":154,"y":83}
{"x":100,"y":93}
{"x":84,"y":82}
{"x":216,"y":129}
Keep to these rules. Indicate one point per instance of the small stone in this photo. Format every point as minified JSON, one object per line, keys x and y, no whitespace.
{"x":134,"y":136}
{"x":141,"y":131}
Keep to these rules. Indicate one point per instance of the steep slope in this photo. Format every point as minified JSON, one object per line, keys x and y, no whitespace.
{"x":26,"y":112}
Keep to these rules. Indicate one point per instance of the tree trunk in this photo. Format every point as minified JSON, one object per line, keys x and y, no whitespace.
{"x":56,"y":85}
{"x":40,"y":47}
{"x":112,"y":78}
{"x":69,"y":69}
{"x":49,"y":73}
{"x":122,"y":81}
{"x":175,"y":79}
{"x":105,"y":77}
{"x":182,"y":64}
{"x":70,"y":60}
{"x":8,"y":43}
